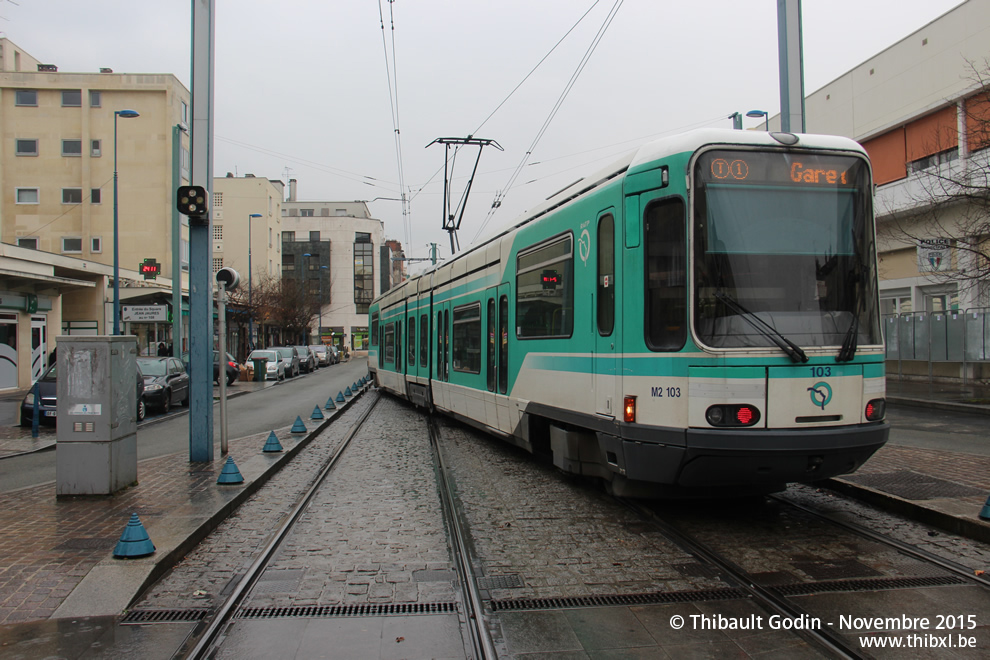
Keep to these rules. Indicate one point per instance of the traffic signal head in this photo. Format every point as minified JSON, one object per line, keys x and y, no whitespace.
{"x":191,"y":201}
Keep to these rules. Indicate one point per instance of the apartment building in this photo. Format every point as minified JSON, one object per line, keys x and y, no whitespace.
{"x":64,"y":138}
{"x":339,"y":250}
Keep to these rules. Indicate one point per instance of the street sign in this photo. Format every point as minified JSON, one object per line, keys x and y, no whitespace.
{"x":145,"y":313}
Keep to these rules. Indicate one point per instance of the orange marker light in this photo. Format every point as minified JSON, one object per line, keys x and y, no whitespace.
{"x":629,"y":409}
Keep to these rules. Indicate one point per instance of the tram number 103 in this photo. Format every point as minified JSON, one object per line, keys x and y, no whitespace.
{"x":669,"y":392}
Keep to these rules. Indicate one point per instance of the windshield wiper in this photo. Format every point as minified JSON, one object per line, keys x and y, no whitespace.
{"x":849,"y":344}
{"x":793,"y":350}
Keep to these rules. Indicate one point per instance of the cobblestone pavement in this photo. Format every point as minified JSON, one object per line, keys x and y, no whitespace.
{"x":374,"y":533}
{"x":562,"y":538}
{"x":227,"y":552}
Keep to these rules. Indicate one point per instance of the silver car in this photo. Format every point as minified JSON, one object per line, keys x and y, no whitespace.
{"x":275,"y":368}
{"x":289,"y":356}
{"x":320,"y":351}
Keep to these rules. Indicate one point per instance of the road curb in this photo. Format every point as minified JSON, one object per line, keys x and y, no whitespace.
{"x":948,"y":406}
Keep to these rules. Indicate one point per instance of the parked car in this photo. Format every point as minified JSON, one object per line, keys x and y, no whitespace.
{"x":307,"y":361}
{"x":290,"y":357}
{"x":333,"y":355}
{"x":321,"y":353}
{"x":233,"y":369}
{"x":165,"y":382}
{"x":48,"y":394}
{"x":275,"y":368}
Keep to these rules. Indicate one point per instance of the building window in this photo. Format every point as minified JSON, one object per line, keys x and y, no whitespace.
{"x":27,"y":195}
{"x":465,"y":344}
{"x":95,"y":196}
{"x":217,"y":200}
{"x":26,"y":147}
{"x":184,"y":112}
{"x":218,"y":232}
{"x":306,"y":213}
{"x":71,"y":98}
{"x":940,"y":158}
{"x":288,"y":263}
{"x":29,"y":243}
{"x":545,"y":298}
{"x":217,"y":264}
{"x":95,"y":99}
{"x":96,"y":244}
{"x":314,"y":236}
{"x":95,"y":149}
{"x":184,"y":162}
{"x":364,"y":262}
{"x":72,"y":196}
{"x":269,"y":239}
{"x":362,"y":237}
{"x":325,"y":212}
{"x":314,"y":287}
{"x":72,"y":147}
{"x":27,"y":97}
{"x":73,"y":245}
{"x":288,"y":237}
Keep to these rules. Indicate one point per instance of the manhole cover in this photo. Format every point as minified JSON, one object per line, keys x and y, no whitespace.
{"x":913,"y":485}
{"x":839,"y":569}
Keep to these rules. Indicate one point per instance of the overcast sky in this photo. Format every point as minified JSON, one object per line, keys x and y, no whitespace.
{"x":303,"y":84}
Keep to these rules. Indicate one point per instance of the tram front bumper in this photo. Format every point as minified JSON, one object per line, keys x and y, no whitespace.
{"x":754,"y":457}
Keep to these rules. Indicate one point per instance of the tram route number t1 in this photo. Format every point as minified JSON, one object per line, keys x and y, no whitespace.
{"x":761,"y":168}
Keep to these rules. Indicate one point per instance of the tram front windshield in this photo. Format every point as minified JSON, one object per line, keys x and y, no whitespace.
{"x":783,"y":245}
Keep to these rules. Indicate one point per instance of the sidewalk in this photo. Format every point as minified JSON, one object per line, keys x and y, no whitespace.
{"x":56,"y":555}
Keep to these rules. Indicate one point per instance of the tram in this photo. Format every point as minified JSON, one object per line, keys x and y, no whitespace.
{"x":700,"y":317}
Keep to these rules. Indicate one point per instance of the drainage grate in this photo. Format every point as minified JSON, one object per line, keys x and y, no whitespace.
{"x":140,"y":617}
{"x":883,"y":584}
{"x":617,"y":600}
{"x":914,"y":486}
{"x":500,"y":582}
{"x":362,"y":609}
{"x":87,"y":544}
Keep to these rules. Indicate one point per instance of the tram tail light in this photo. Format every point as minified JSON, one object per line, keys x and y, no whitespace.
{"x":733,"y":414}
{"x":875,"y":410}
{"x":629,"y":409}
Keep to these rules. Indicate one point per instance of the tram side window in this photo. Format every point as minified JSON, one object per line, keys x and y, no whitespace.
{"x":388,"y":342}
{"x":398,"y":346}
{"x":492,"y":339}
{"x":544,"y":290}
{"x":411,"y":340}
{"x":503,"y":346}
{"x":666,"y":275}
{"x":606,"y":275}
{"x":424,"y":339}
{"x":465,"y":344}
{"x":374,"y":329}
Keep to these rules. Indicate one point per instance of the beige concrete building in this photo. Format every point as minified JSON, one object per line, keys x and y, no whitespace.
{"x":347,"y":261}
{"x":57,"y":164}
{"x":247,"y":236}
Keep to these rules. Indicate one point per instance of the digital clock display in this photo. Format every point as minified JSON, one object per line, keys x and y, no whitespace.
{"x":551,"y":279}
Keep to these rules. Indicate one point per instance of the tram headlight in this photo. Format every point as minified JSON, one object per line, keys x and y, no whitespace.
{"x":733,"y":414}
{"x":875,"y":410}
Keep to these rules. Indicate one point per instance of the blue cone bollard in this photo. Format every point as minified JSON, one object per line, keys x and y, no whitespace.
{"x":340,"y":397}
{"x":354,"y":387}
{"x":985,"y":511}
{"x":317,"y":413}
{"x":329,"y":405}
{"x":272,"y":445}
{"x":347,"y":392}
{"x":298,"y":427}
{"x":134,"y":542}
{"x":230,"y":474}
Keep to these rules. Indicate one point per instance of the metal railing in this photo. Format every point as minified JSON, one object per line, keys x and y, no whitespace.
{"x":932,"y":337}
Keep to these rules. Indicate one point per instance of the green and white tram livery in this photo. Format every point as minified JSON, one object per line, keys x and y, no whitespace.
{"x":701,"y":315}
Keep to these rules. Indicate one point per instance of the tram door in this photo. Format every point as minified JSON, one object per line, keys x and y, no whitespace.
{"x":607,"y":314}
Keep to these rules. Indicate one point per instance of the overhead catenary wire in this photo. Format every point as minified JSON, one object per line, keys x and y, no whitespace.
{"x":500,"y":196}
{"x":391,"y":71}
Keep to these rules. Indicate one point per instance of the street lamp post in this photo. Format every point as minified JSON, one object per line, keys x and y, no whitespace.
{"x":760,"y":113}
{"x":126,"y":114}
{"x":250,"y":295}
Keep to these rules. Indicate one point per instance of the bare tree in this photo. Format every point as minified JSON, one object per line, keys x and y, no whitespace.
{"x":284,"y":303}
{"x":946,"y":202}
